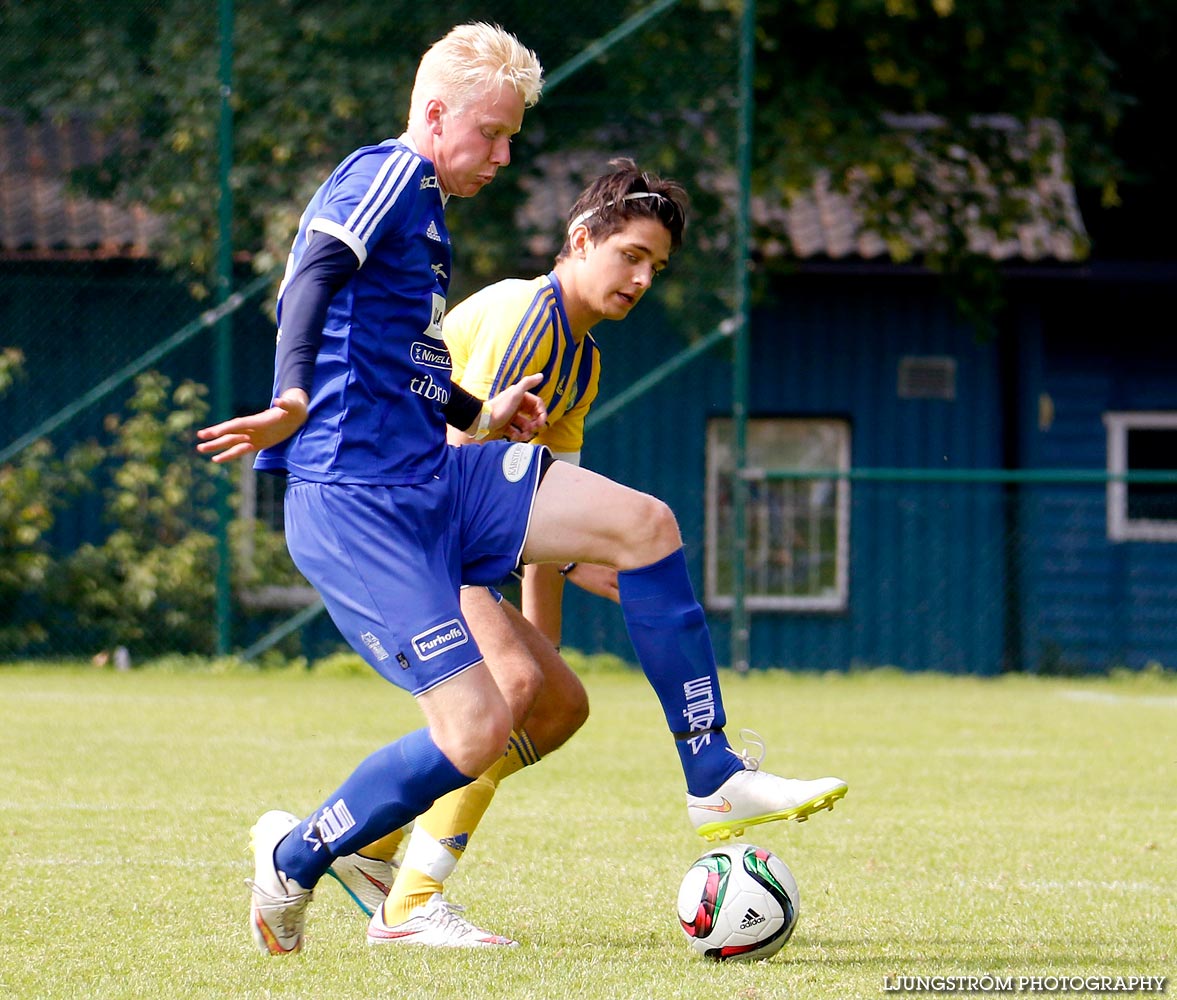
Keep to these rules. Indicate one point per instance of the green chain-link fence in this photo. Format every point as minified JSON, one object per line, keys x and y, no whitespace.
{"x":114,"y":168}
{"x":110,"y":236}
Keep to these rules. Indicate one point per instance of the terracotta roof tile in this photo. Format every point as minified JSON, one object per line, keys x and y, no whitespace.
{"x":40,"y":218}
{"x":823,"y":222}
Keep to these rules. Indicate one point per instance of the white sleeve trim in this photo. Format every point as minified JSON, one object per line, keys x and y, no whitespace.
{"x":571,"y":457}
{"x":340,"y":233}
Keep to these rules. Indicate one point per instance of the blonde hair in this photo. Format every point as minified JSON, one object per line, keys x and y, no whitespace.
{"x":469,"y":61}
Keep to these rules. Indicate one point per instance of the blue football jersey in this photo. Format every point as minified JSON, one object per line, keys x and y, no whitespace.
{"x":382,"y":372}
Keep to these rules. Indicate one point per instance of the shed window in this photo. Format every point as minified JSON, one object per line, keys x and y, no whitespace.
{"x":1141,"y":443}
{"x":932,"y":377}
{"x":796,"y":527}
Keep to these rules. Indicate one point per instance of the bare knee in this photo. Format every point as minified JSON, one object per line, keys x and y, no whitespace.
{"x":520,"y":686}
{"x":472,"y":732}
{"x":575,"y":715}
{"x":571,"y":707}
{"x":476,"y":742}
{"x":561,"y":710}
{"x":655,"y":533}
{"x":509,"y":659}
{"x":576,"y":708}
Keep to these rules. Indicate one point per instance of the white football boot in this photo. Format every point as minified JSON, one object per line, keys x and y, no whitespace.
{"x":277,"y":908}
{"x":367,"y":880}
{"x":752,"y":796}
{"x":437,"y":924}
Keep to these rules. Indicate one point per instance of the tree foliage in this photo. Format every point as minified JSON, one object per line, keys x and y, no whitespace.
{"x":315,"y":78}
{"x":33,"y":490}
{"x":148,"y":582}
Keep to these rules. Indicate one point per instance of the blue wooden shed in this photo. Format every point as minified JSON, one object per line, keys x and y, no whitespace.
{"x":985,"y":510}
{"x":989,"y":538}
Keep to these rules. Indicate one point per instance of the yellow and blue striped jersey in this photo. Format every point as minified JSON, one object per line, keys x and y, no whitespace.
{"x":518,"y":327}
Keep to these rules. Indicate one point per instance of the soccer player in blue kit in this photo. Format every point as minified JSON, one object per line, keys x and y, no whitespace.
{"x":387,"y":521}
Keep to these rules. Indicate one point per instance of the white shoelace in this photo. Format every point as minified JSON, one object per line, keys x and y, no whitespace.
{"x":446,"y":915}
{"x":750,"y":763}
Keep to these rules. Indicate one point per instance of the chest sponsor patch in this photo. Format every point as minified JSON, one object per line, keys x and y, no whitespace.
{"x":431,"y":355}
{"x":436,"y":316}
{"x":436,"y":640}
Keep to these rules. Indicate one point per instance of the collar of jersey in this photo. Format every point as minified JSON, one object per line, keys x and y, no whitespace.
{"x":407,"y":140}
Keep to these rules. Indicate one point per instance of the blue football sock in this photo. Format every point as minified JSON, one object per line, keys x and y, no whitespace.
{"x":669,"y":634}
{"x":390,"y":787}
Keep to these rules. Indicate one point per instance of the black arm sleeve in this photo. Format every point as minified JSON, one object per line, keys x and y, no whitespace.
{"x":462,"y":409}
{"x":325,"y":268}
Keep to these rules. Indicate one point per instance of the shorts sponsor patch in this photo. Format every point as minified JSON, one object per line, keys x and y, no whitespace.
{"x":516,"y":461}
{"x":435,"y":641}
{"x":374,"y":644}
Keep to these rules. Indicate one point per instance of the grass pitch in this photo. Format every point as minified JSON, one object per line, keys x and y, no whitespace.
{"x":1010,"y":827}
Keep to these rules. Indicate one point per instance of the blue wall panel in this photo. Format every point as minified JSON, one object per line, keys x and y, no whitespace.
{"x":926,"y":571}
{"x":941,"y":575}
{"x":1090,"y":602}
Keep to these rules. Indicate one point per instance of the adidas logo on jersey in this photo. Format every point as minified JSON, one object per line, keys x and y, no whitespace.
{"x":751,"y":919}
{"x":432,"y":232}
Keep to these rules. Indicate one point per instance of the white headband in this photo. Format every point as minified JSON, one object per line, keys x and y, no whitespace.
{"x":628,"y":197}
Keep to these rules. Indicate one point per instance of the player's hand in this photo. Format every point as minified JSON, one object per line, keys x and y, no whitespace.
{"x":519,"y":414}
{"x":246,"y":435}
{"x":599,"y":580}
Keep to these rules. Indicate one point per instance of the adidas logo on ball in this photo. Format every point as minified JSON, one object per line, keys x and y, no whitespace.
{"x":751,"y":919}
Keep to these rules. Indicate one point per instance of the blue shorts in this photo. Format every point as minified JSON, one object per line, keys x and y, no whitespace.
{"x":388,"y":561}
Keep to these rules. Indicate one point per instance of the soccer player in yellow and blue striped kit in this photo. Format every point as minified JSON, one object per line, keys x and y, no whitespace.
{"x":619,"y":237}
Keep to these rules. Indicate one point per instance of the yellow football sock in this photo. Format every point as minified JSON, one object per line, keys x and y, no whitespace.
{"x":520,"y":754}
{"x":441,"y":834}
{"x":386,"y":847}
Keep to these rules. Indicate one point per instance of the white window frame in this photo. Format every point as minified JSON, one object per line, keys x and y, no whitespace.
{"x":1121,"y":527}
{"x":835,"y":599}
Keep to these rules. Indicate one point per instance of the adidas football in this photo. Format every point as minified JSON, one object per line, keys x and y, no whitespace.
{"x":738,"y":903}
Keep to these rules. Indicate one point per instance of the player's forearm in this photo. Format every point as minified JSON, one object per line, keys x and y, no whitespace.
{"x":326,"y":267}
{"x":599,"y":580}
{"x":465,"y":411}
{"x":295,"y":400}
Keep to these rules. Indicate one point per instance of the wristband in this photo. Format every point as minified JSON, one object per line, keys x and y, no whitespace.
{"x":483,"y":423}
